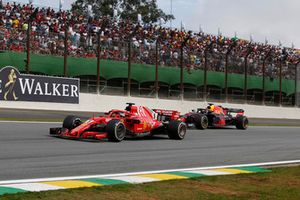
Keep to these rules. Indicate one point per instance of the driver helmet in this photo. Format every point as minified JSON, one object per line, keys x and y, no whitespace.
{"x":211,"y":108}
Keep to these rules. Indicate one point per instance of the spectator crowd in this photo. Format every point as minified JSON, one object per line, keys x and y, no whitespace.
{"x":48,"y":35}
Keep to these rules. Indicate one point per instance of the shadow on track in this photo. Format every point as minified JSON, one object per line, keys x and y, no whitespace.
{"x":107,"y":141}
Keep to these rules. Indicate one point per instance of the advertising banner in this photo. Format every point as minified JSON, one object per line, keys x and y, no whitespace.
{"x":15,"y":86}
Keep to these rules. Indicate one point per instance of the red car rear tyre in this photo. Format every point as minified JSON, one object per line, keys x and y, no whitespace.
{"x":176,"y":130}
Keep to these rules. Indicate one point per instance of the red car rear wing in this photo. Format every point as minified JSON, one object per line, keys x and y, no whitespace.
{"x":172,"y":114}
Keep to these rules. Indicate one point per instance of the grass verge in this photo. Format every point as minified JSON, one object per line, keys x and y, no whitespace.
{"x":281,"y":183}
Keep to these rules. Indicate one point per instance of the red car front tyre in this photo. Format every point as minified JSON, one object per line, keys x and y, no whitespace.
{"x":71,"y":122}
{"x":116,"y":130}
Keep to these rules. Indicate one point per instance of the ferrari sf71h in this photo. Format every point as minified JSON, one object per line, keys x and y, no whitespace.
{"x":134,"y":121}
{"x":216,"y":116}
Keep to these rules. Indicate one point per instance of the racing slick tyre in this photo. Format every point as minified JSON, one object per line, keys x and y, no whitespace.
{"x":201,"y":121}
{"x":242,"y":122}
{"x":176,"y":130}
{"x":71,"y":122}
{"x":116,"y":130}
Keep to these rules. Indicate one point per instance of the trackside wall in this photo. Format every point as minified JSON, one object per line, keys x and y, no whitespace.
{"x":103,"y":103}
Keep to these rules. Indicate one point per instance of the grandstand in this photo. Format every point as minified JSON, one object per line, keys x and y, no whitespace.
{"x":118,"y":57}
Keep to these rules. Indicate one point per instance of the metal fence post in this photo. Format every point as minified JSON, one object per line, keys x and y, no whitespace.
{"x":181,"y":72}
{"x":27,"y":64}
{"x":30,"y":19}
{"x":226,"y":70}
{"x":246,"y":79}
{"x":205,"y":74}
{"x":280,"y":83}
{"x":296,"y":84}
{"x":98,"y":61}
{"x":66,"y":50}
{"x":264,"y":76}
{"x":129,"y":69}
{"x":263,"y":81}
{"x":249,"y":51}
{"x":156,"y":69}
{"x":226,"y":78}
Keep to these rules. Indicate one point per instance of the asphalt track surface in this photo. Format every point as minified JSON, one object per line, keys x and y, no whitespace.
{"x":27,"y":151}
{"x":51,"y":115}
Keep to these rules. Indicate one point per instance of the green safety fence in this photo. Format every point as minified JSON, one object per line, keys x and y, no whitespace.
{"x":53,"y":65}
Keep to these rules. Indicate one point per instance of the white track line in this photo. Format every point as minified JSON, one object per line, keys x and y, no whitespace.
{"x":209,"y":172}
{"x":145,"y":172}
{"x":134,"y":179}
{"x":34,"y":187}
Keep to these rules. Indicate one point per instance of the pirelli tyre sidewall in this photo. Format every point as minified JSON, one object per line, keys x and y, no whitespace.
{"x":116,"y":130}
{"x":200,"y":121}
{"x":71,"y":122}
{"x":242,"y":122}
{"x":176,"y":130}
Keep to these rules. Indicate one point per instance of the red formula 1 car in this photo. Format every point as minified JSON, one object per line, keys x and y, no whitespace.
{"x":134,"y":121}
{"x":216,"y":116}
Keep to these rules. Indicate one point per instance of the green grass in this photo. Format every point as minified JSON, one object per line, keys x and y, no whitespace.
{"x":281,"y":183}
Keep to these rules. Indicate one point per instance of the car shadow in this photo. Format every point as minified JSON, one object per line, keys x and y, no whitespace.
{"x":79,"y":140}
{"x":147,"y":138}
{"x":106,"y":140}
{"x":224,"y":127}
